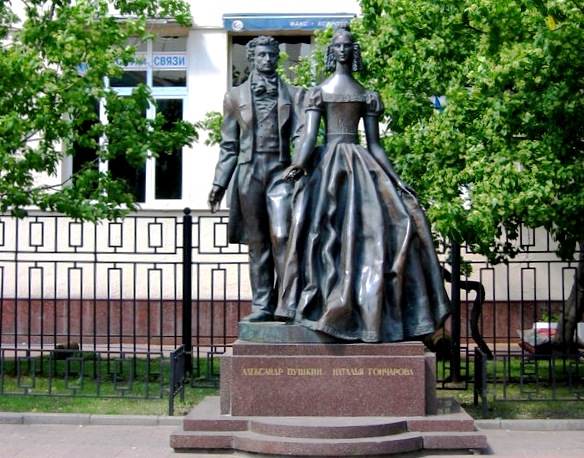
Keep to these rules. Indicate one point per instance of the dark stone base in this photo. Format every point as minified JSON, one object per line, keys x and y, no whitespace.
{"x":450,"y":431}
{"x":279,"y":332}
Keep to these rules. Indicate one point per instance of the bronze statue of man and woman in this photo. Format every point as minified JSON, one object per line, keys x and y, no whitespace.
{"x":337,"y":242}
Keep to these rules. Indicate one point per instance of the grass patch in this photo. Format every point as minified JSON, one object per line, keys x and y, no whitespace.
{"x":521,"y":410}
{"x":103,"y":406}
{"x":97,"y":383}
{"x":517,"y":388}
{"x":520,"y":387}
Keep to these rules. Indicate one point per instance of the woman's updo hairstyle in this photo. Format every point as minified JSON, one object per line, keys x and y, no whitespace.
{"x":329,"y":58}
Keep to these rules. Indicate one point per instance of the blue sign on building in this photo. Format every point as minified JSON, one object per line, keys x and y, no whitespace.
{"x":251,"y":22}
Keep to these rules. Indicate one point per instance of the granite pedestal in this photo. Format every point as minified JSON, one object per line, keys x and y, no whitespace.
{"x":331,"y":380}
{"x":304,"y":395}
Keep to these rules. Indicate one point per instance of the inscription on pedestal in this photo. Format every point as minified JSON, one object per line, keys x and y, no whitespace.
{"x":335,"y":371}
{"x":366,"y":384}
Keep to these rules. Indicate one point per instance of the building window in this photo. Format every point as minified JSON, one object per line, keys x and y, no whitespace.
{"x":86,"y":154}
{"x":162,"y":65}
{"x":169,"y":164}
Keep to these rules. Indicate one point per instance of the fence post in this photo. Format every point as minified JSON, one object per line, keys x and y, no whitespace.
{"x":187,"y":288}
{"x":177,"y":377}
{"x":455,"y":298}
{"x":480,"y":381}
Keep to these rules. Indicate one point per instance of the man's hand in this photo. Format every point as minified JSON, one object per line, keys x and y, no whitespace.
{"x":215,"y":197}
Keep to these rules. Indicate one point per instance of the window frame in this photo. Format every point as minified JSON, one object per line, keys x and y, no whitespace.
{"x":158,"y":93}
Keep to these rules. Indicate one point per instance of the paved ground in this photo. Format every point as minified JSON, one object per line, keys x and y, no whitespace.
{"x":102,"y":436}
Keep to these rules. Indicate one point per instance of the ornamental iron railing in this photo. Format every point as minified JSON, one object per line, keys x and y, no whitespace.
{"x":77,"y":296}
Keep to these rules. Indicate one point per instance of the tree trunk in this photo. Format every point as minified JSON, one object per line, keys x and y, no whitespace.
{"x":573,"y":310}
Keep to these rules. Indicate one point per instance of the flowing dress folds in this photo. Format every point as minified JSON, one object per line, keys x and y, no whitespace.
{"x":360,"y":262}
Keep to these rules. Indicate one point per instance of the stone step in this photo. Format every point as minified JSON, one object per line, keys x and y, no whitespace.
{"x":253,"y":442}
{"x":215,"y":424}
{"x":205,"y":429}
{"x":205,"y":417}
{"x":459,"y":421}
{"x":191,"y":441}
{"x":330,"y":428}
{"x":474,"y":440}
{"x":293,"y":446}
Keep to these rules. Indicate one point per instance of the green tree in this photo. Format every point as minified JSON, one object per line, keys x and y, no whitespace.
{"x":506,"y":147}
{"x":55,"y":58}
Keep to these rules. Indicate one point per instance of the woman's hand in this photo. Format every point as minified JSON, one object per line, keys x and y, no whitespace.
{"x":294,"y":173}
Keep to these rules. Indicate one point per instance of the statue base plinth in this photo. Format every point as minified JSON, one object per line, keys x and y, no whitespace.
{"x":328,"y":379}
{"x":326,"y":399}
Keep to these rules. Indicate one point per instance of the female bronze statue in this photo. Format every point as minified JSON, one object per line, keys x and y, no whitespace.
{"x":360,"y":262}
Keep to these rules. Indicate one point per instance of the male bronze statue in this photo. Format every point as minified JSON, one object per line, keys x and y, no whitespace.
{"x":261,"y":118}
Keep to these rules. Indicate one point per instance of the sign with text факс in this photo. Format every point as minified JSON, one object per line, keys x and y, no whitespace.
{"x":282,"y":22}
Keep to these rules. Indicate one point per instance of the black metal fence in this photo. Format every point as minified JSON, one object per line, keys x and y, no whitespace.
{"x":77,"y":297}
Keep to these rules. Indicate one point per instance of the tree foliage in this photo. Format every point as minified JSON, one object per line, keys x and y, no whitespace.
{"x":506,"y":148}
{"x":55,"y":60}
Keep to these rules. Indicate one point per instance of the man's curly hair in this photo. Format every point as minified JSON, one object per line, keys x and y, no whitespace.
{"x":261,"y":41}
